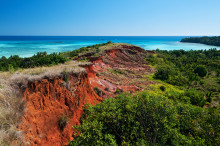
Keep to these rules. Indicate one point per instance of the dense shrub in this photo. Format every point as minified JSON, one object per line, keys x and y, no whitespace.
{"x":201,"y":71}
{"x":187,"y":68}
{"x":196,"y":97}
{"x":40,"y":59}
{"x":163,"y":72}
{"x":118,"y":91}
{"x":147,"y":119}
{"x":162,"y":88}
{"x":97,"y":91}
{"x":107,"y":89}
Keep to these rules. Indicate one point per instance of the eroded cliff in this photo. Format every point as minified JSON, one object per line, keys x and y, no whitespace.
{"x":47,"y":100}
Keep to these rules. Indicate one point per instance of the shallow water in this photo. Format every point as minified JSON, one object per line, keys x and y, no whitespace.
{"x":26,"y":46}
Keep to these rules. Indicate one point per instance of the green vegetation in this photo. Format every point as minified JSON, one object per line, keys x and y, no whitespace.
{"x":215,"y":41}
{"x":196,"y":97}
{"x":147,"y":119}
{"x":65,"y":76}
{"x":40,"y":59}
{"x":118,"y":91}
{"x":162,"y":88}
{"x":63,"y":120}
{"x":97,"y":91}
{"x":175,"y":111}
{"x":189,"y":69}
{"x":94,"y":50}
{"x":201,"y":71}
{"x":106,"y":89}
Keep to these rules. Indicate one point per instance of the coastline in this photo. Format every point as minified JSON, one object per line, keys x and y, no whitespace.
{"x":26,"y":47}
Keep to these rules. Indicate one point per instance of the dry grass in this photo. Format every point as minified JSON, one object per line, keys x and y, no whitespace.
{"x":11,"y":104}
{"x":114,"y":45}
{"x":11,"y":109}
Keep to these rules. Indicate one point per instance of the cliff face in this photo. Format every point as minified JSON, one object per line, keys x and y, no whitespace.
{"x":47,"y":100}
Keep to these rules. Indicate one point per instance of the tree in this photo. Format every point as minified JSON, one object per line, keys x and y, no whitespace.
{"x":201,"y":71}
{"x":196,"y":97}
{"x":163,"y":72}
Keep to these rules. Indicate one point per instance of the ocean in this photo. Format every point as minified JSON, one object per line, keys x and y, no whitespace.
{"x":26,"y":46}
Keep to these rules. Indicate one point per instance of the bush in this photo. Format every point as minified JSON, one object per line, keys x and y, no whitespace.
{"x":65,"y":76}
{"x":162,"y":73}
{"x":196,"y":97}
{"x":201,"y":71}
{"x":209,"y":97}
{"x":97,"y":91}
{"x":107,"y":89}
{"x":147,"y":119}
{"x":118,"y":91}
{"x":166,"y":73}
{"x":162,"y":88}
{"x":125,"y":120}
{"x":40,"y":59}
{"x":63,"y":120}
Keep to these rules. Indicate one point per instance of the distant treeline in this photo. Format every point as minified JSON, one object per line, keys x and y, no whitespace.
{"x":215,"y":41}
{"x":40,"y":59}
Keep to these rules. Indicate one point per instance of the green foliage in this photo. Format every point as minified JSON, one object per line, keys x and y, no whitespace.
{"x":118,"y":91}
{"x":209,"y":97}
{"x":215,"y":41}
{"x":196,"y":97}
{"x":147,"y":119}
{"x":40,"y":59}
{"x":170,"y":75}
{"x":188,"y":69}
{"x":162,"y":88}
{"x":163,"y":73}
{"x":97,"y":91}
{"x":201,"y":71}
{"x":65,"y":76}
{"x":107,"y":89}
{"x":91,"y":49}
{"x":63,"y":120}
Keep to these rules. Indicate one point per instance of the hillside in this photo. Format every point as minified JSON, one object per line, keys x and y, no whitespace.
{"x":173,"y":89}
{"x":214,"y":41}
{"x":46,"y":94}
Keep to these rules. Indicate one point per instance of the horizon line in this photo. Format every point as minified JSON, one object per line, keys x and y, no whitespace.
{"x":105,"y":35}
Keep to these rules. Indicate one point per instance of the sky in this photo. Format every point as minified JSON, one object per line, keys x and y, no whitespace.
{"x":110,"y":17}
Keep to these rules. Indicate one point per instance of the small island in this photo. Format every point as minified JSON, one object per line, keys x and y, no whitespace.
{"x":214,"y":41}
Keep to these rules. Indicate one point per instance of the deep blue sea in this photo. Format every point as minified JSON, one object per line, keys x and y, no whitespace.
{"x":26,"y":46}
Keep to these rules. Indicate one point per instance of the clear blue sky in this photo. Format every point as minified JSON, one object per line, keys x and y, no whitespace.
{"x":110,"y":17}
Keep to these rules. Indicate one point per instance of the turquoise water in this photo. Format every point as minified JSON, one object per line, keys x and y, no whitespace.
{"x":26,"y":46}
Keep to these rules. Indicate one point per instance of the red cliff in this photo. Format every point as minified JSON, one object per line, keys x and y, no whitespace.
{"x":47,"y":100}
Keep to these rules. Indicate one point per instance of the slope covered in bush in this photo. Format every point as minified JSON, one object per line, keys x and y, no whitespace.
{"x":147,"y":119}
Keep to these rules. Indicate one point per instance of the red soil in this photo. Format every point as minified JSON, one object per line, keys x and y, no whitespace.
{"x":47,"y":100}
{"x":124,"y":58}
